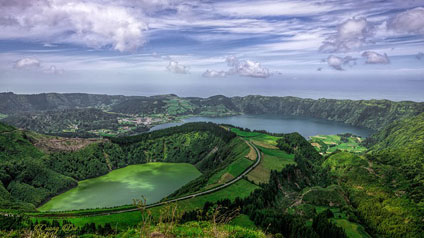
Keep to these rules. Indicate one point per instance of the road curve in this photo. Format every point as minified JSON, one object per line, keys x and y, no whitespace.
{"x":105,"y":213}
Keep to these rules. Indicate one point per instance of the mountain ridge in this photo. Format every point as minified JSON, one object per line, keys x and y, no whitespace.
{"x":373,"y":114}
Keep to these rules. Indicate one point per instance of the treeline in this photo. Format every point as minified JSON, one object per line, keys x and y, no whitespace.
{"x":294,"y":143}
{"x":188,"y":127}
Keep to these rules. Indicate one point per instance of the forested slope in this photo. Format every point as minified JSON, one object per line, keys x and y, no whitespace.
{"x":401,"y":145}
{"x":30,"y":175}
{"x":378,"y":192}
{"x":288,"y":203}
{"x":373,"y":114}
{"x":386,"y":185}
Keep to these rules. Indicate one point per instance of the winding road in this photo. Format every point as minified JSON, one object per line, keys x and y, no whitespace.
{"x":224,"y":185}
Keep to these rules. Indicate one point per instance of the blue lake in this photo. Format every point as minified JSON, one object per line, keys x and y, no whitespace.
{"x":279,"y":124}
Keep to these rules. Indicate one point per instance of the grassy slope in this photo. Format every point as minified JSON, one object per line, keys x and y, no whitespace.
{"x":239,"y":164}
{"x":272,"y":159}
{"x":243,"y":221}
{"x":327,"y":144}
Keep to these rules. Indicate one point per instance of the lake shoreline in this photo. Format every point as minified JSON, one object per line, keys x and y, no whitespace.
{"x":314,"y":126}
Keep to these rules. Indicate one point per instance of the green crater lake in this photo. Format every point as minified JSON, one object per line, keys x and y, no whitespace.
{"x":119,"y":187}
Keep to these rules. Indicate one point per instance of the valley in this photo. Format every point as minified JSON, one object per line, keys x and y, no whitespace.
{"x":253,"y":170}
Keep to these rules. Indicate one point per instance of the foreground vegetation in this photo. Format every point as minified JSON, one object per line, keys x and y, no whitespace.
{"x":294,"y":192}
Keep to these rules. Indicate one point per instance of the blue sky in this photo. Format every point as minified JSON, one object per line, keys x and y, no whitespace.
{"x":310,"y":48}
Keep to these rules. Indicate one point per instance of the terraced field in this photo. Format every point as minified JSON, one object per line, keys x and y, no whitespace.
{"x":327,"y":144}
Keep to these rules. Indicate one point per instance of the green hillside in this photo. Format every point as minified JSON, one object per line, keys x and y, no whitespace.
{"x":30,"y":174}
{"x":29,"y":111}
{"x":386,"y":184}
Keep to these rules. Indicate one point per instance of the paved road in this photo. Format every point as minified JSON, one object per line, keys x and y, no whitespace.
{"x":258,"y":160}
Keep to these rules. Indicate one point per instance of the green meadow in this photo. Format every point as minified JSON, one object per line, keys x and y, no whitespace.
{"x":327,"y":144}
{"x":119,"y":187}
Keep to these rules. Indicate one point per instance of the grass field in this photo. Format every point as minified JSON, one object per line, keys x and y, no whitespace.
{"x":178,"y":106}
{"x":272,"y":159}
{"x":326,"y":144}
{"x":352,"y":229}
{"x":268,"y":140}
{"x":243,"y":221}
{"x":231,"y":171}
{"x":237,"y":166}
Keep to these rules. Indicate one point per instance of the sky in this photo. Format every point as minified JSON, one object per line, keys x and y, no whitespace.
{"x":357,"y":49}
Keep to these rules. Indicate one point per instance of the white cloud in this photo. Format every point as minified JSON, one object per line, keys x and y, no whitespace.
{"x":251,"y":68}
{"x":271,"y":8}
{"x":27,"y":63}
{"x":247,"y":68}
{"x":36,"y":65}
{"x":375,"y":58}
{"x":350,"y":35}
{"x":214,"y":74}
{"x":177,"y":68}
{"x":53,"y":70}
{"x":410,"y":22}
{"x":68,"y":21}
{"x":337,"y":63}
